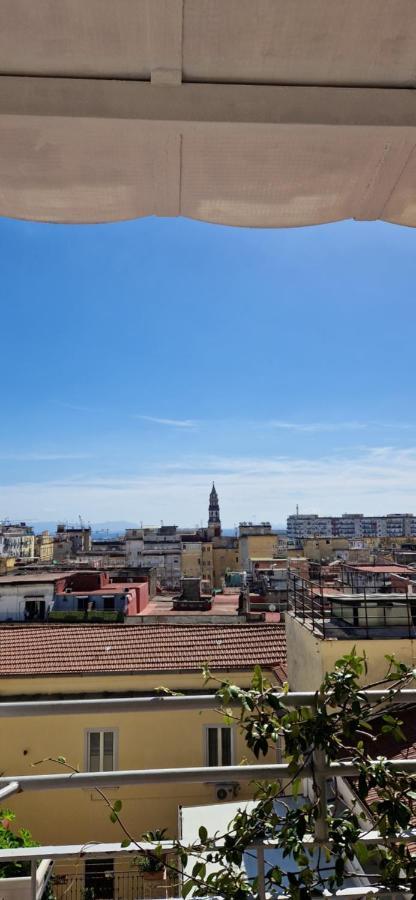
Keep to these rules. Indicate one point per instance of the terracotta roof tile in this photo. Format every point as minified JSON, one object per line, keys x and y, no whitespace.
{"x":42,"y":650}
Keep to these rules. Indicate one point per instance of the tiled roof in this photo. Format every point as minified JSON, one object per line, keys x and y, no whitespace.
{"x":35,"y":576}
{"x":41,"y":650}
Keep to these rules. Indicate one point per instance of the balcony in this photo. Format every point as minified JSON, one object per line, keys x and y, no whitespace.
{"x":333,"y":614}
{"x":114,"y":877}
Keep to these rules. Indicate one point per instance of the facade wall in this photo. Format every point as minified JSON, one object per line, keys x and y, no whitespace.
{"x":134,"y":551}
{"x":162,"y":550}
{"x":21,"y":546}
{"x":14,"y":597}
{"x":224,"y":559}
{"x":351,"y":526}
{"x":207,"y":563}
{"x":256,"y":545}
{"x":44,"y":547}
{"x":324,"y":548}
{"x":145,"y":740}
{"x":7,"y":563}
{"x":191,"y":559}
{"x":309,"y":657}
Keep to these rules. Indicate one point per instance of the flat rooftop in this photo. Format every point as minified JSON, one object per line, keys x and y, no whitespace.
{"x":223,"y":605}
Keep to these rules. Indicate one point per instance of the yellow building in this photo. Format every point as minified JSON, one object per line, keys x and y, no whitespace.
{"x":225,"y":559}
{"x":44,"y":547}
{"x":323,"y":626}
{"x":7,"y":563}
{"x":318,"y":549}
{"x":256,"y":545}
{"x":84,"y":661}
{"x":197,"y":560}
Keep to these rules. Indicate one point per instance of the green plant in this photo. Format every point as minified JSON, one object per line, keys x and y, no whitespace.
{"x":344,"y":723}
{"x":11,"y":840}
{"x":152,"y":861}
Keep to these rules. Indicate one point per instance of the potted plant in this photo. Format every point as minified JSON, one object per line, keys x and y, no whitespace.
{"x":15,"y":880}
{"x":152,"y":864}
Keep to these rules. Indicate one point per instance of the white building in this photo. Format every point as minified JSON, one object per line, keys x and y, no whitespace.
{"x":162,"y":549}
{"x":17,"y":541}
{"x":28,"y":598}
{"x":351,"y":525}
{"x":134,"y":542}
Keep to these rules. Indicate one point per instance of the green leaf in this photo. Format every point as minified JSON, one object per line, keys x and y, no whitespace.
{"x":257,"y":679}
{"x":187,"y":887}
{"x":117,"y":806}
{"x":203,"y":834}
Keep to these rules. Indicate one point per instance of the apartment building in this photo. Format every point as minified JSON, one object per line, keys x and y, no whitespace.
{"x":17,"y":541}
{"x":79,"y":538}
{"x":351,"y":526}
{"x":372,"y":611}
{"x":44,"y":547}
{"x":162,"y":549}
{"x":256,"y":541}
{"x":225,"y":557}
{"x":86,"y":661}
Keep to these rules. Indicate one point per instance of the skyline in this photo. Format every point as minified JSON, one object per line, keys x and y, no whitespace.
{"x":145,"y":359}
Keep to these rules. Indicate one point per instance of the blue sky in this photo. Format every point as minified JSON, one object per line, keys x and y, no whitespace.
{"x":143,"y":359}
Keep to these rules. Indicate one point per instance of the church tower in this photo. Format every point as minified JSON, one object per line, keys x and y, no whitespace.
{"x":214,"y":521}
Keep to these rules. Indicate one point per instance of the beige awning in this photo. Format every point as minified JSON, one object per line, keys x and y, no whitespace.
{"x":245,"y":112}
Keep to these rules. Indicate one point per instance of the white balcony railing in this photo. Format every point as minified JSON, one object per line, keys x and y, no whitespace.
{"x":323,"y":771}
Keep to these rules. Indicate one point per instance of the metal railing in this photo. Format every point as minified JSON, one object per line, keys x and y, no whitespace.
{"x":322,"y":771}
{"x":331,"y":613}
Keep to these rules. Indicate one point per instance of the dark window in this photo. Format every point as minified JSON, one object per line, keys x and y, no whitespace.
{"x":34,"y":610}
{"x":99,"y":879}
{"x":100,"y":751}
{"x":219,"y":746}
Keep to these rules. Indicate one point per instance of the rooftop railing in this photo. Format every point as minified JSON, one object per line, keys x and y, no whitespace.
{"x":322,"y":772}
{"x":336,"y":614}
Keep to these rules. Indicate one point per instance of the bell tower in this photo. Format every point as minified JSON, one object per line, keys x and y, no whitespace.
{"x":214,"y":521}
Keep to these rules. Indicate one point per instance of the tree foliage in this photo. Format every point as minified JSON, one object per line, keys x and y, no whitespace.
{"x":12,"y":839}
{"x":344,"y":724}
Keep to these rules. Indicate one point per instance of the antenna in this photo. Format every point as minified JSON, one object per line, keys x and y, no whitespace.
{"x":297,"y":509}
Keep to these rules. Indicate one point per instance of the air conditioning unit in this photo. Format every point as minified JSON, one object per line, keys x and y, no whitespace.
{"x":227,"y":790}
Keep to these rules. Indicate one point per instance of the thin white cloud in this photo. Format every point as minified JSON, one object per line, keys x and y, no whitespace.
{"x":173,"y":423}
{"x":377,"y":480}
{"x":318,"y":427}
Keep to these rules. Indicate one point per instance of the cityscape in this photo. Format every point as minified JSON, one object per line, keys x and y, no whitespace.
{"x":207,"y":450}
{"x":87,"y":617}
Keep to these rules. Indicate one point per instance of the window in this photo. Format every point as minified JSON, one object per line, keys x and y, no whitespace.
{"x":99,"y":878}
{"x":219,"y":745}
{"x":101,"y":750}
{"x":34,"y":610}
